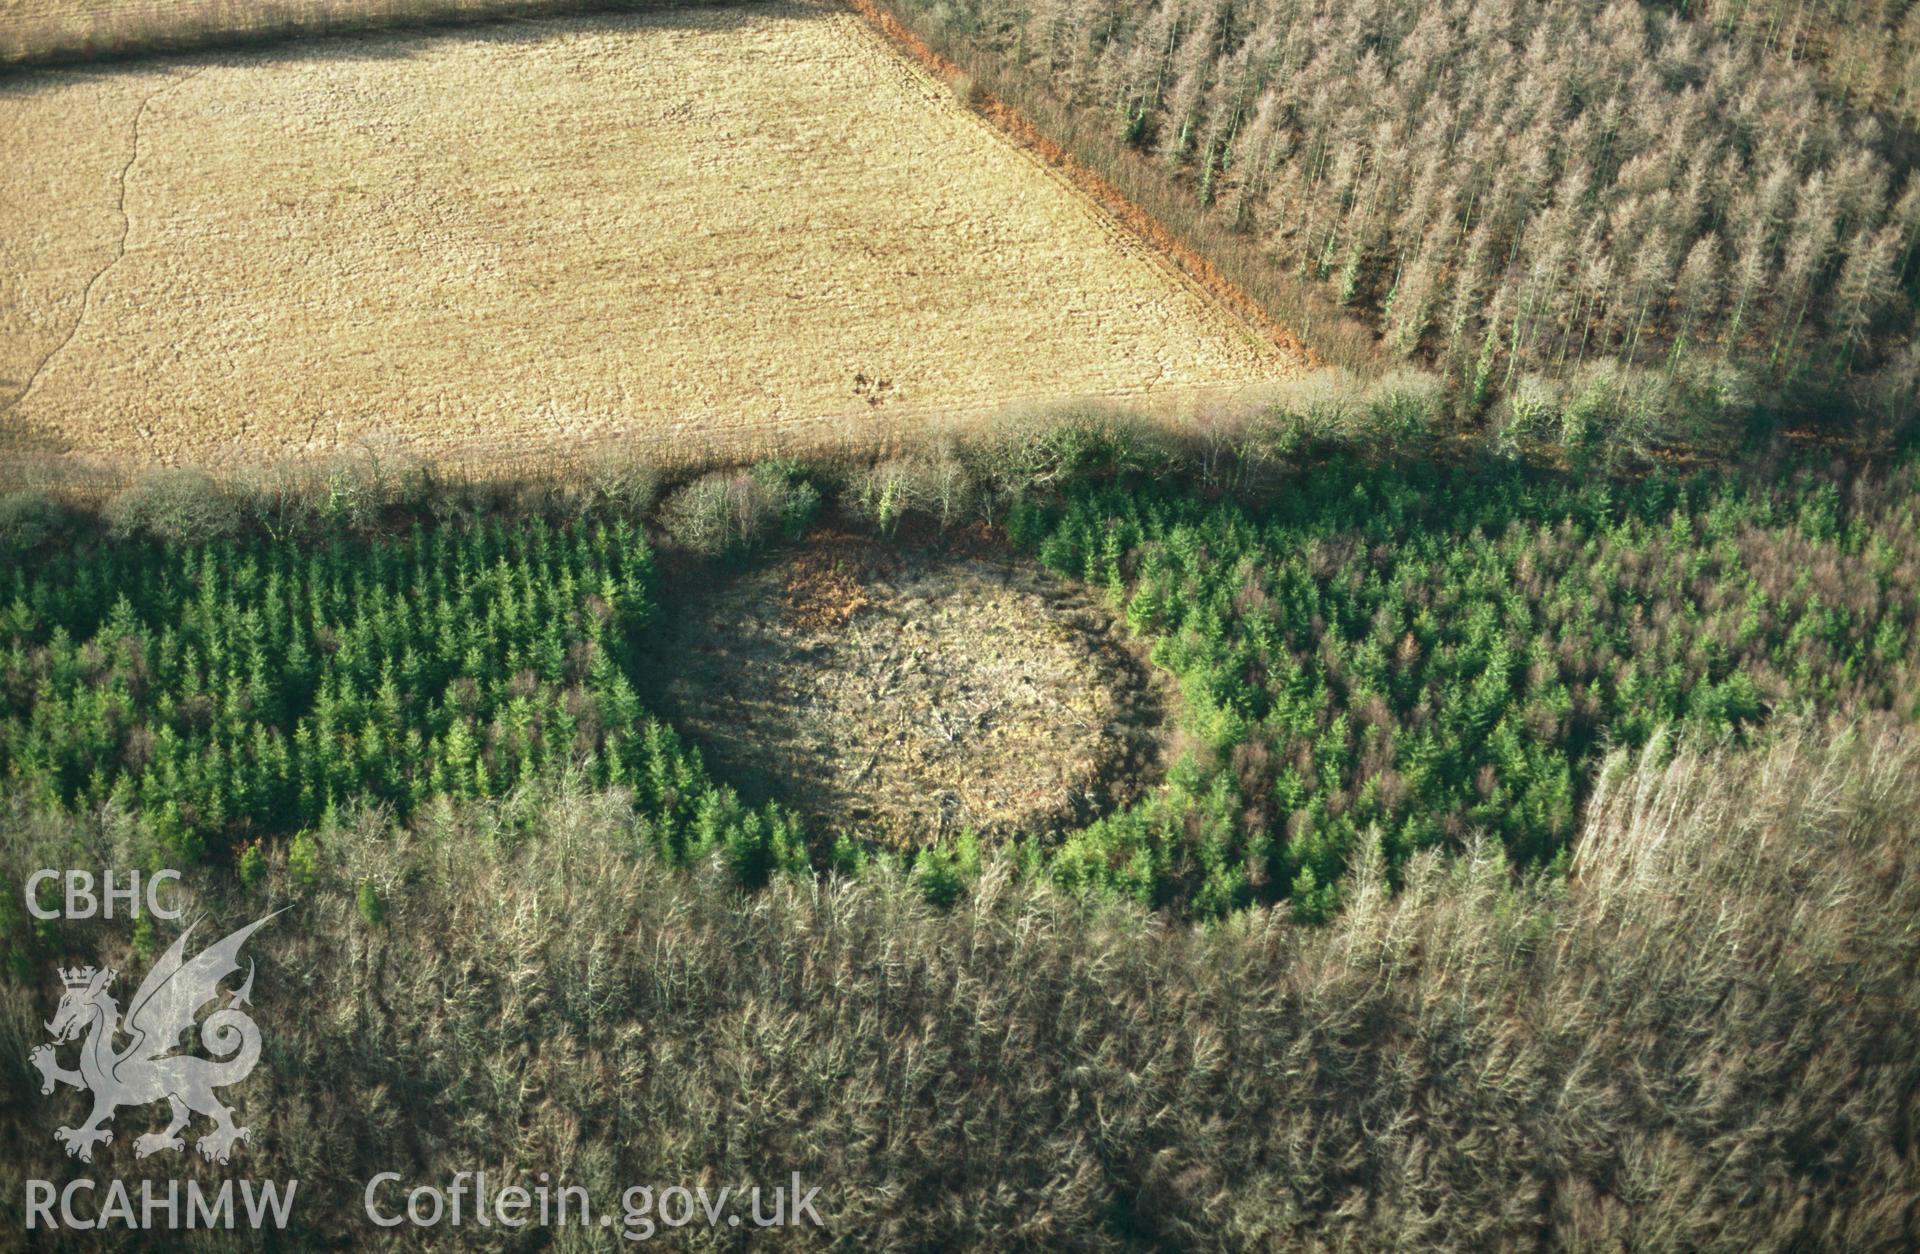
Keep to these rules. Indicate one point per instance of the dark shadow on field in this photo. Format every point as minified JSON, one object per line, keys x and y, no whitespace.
{"x":378,"y":38}
{"x":32,"y":461}
{"x":20,"y":439}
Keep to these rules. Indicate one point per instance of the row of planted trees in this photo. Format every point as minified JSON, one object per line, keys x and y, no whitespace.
{"x":1499,"y":189}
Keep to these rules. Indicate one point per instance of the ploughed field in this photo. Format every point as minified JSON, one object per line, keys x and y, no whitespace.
{"x":696,"y":231}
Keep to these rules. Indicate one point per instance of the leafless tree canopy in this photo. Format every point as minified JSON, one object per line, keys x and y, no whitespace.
{"x":1507,"y":187}
{"x":1704,"y":1038}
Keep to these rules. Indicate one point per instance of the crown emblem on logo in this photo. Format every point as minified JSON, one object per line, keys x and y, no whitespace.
{"x":79,"y":977}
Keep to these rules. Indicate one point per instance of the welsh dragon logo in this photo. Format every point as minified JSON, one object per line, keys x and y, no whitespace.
{"x":148,"y":1070}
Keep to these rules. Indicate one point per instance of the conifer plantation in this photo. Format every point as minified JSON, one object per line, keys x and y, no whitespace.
{"x":248,"y":688}
{"x":1376,"y":655}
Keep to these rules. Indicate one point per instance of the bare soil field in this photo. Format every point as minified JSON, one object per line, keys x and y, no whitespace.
{"x":708,"y":231}
{"x":895,"y":694}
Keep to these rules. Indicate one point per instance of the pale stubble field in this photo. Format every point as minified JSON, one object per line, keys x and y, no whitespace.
{"x":713,"y":229}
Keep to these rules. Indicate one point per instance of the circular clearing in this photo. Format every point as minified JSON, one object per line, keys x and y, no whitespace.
{"x":900,"y":696}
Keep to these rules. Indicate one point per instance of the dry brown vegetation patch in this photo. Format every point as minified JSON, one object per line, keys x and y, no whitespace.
{"x":822,"y":587}
{"x":900,"y":695}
